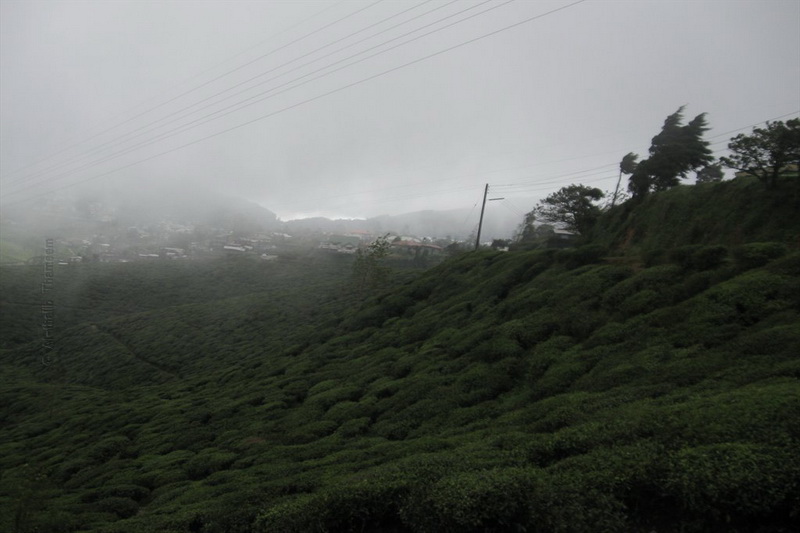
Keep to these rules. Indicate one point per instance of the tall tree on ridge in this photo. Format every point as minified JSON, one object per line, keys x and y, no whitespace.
{"x":677,"y":150}
{"x":572,"y":207}
{"x":766,"y":152}
{"x":626,"y":166}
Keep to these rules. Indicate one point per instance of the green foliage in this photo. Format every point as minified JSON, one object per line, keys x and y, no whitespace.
{"x":767,"y":152}
{"x":729,"y":213}
{"x":757,"y":254}
{"x":626,"y":166}
{"x":122,"y":507}
{"x":208,"y":461}
{"x":732,"y":480}
{"x":699,"y":257}
{"x":677,"y":150}
{"x":572,"y":207}
{"x":710,"y":174}
{"x":551,"y":390}
{"x":483,"y":500}
{"x":581,"y":256}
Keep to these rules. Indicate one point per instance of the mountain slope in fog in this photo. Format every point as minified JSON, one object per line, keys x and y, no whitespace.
{"x":582,"y":389}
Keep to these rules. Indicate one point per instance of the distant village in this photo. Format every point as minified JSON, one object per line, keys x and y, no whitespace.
{"x":136,"y":244}
{"x":170,"y":241}
{"x":98,"y":233}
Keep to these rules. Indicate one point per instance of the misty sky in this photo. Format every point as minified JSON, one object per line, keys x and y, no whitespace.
{"x":306,"y":107}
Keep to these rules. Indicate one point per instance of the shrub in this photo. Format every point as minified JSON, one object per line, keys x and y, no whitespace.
{"x":545,"y":354}
{"x":580,"y":324}
{"x":311,"y":432}
{"x":682,"y":255}
{"x":296,"y":390}
{"x":693,"y":285}
{"x":325,"y":400}
{"x":483,"y":382}
{"x":208,"y":461}
{"x":653,"y":257}
{"x":536,"y":328}
{"x":358,"y":505}
{"x":299,"y":514}
{"x":746,"y":299}
{"x":660,"y":278}
{"x":362,"y":505}
{"x":495,"y":349}
{"x":354,"y":427}
{"x":730,"y":479}
{"x":756,"y":254}
{"x":347,"y":410}
{"x":581,"y":256}
{"x":108,"y":448}
{"x":642,"y":302}
{"x":609,"y":333}
{"x":788,"y":265}
{"x":398,"y":426}
{"x":122,"y":507}
{"x":601,"y":483}
{"x":559,"y":376}
{"x":485,"y":500}
{"x":134,"y":492}
{"x":709,"y":257}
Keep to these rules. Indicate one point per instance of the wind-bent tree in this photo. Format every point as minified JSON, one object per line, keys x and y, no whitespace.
{"x":767,"y":152}
{"x":626,"y":166}
{"x":572,"y":207}
{"x":675,"y":152}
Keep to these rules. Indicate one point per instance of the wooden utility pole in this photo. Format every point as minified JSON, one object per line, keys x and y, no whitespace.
{"x":616,"y":189}
{"x":480,"y":224}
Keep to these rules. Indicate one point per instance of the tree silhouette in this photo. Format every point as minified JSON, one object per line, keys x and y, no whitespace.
{"x":572,"y":207}
{"x":626,"y":166}
{"x":766,"y":152}
{"x":677,"y":150}
{"x":710,"y":174}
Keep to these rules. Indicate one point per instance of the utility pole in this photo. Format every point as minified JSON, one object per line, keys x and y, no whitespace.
{"x":480,"y":224}
{"x":483,"y":208}
{"x":616,"y":189}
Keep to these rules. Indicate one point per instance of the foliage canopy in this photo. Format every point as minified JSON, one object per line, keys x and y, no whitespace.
{"x":766,"y":152}
{"x":572,"y":207}
{"x":677,"y":150}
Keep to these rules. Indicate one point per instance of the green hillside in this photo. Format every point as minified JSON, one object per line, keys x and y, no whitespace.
{"x":601,"y":388}
{"x":730,"y":213}
{"x":95,"y":292}
{"x":12,"y":252}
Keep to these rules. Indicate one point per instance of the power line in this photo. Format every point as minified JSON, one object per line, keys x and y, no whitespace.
{"x":225,"y":111}
{"x":463,"y":224}
{"x":512,"y":209}
{"x":555,"y":178}
{"x":211,"y":81}
{"x":320,"y":96}
{"x":753,"y":125}
{"x":394,"y":197}
{"x":528,"y":187}
{"x":119,"y":139}
{"x":353,"y":84}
